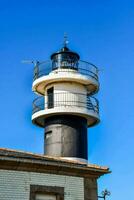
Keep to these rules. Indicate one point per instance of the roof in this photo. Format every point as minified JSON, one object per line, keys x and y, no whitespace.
{"x":25,"y":161}
{"x":65,"y":50}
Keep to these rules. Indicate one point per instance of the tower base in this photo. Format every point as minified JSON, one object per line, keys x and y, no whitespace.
{"x":66,"y":136}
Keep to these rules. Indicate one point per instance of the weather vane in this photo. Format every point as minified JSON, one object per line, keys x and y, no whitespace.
{"x":65,"y":39}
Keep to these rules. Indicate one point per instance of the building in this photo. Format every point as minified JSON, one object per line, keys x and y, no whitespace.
{"x":65,"y":108}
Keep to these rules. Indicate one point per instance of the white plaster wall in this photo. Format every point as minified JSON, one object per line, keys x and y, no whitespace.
{"x":15,"y":185}
{"x":68,"y":94}
{"x":70,"y":87}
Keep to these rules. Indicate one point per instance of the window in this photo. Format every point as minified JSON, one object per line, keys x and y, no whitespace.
{"x":45,"y":197}
{"x":41,"y":192}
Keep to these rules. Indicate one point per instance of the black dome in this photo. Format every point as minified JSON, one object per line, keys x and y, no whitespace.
{"x":66,"y":51}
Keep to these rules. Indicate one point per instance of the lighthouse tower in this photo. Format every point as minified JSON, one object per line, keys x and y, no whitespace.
{"x":65,"y":106}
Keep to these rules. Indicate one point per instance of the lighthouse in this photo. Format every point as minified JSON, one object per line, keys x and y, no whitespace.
{"x":65,"y":107}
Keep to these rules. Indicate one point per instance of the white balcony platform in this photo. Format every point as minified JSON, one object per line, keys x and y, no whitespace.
{"x":65,"y":75}
{"x":92,"y":116}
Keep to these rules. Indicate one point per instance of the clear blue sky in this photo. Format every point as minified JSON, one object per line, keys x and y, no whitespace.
{"x":103,"y":33}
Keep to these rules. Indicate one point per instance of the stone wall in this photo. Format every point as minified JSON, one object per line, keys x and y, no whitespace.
{"x":15,"y":185}
{"x":90,"y":189}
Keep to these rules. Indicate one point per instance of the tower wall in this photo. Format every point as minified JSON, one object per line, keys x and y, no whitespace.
{"x":69,"y":87}
{"x":66,"y":136}
{"x":66,"y":94}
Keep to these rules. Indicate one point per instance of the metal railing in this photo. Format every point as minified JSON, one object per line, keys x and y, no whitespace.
{"x":82,"y":67}
{"x":63,"y":99}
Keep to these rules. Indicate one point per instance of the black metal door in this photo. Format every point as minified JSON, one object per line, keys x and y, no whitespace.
{"x":50,"y":95}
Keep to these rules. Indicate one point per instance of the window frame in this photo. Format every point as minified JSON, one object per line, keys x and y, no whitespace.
{"x":50,"y":97}
{"x":48,"y":190}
